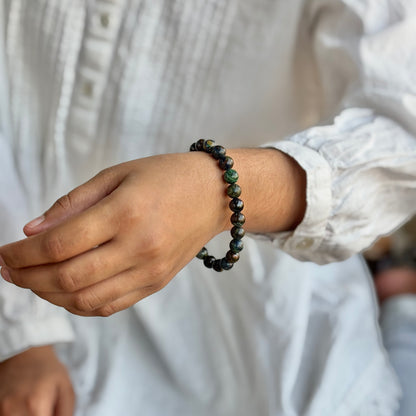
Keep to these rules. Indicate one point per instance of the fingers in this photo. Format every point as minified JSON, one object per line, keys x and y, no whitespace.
{"x":65,"y":404}
{"x":69,"y":239}
{"x":76,"y":201}
{"x":74,"y":274}
{"x":107,"y":297}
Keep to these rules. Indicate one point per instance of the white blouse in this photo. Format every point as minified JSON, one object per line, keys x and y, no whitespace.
{"x":90,"y":83}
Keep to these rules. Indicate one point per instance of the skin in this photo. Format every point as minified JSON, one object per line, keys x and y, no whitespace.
{"x":128,"y":231}
{"x":35,"y":383}
{"x":124,"y":235}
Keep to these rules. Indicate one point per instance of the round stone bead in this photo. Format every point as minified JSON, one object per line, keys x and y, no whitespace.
{"x":232,"y":257}
{"x":236,"y":246}
{"x":193,"y":147}
{"x":238,"y":219}
{"x":226,"y":265}
{"x":226,"y":163}
{"x":236,"y":205}
{"x":234,"y":191}
{"x":237,"y":233}
{"x":217,"y":266}
{"x":218,"y":152}
{"x":230,"y":176}
{"x":209,"y":261}
{"x":202,"y":253}
{"x":208,"y":145}
{"x":200,"y":144}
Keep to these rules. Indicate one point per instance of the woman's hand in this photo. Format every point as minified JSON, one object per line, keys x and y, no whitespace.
{"x":35,"y":383}
{"x":128,"y":231}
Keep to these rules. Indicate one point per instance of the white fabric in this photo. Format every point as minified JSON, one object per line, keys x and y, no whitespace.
{"x":87,"y":84}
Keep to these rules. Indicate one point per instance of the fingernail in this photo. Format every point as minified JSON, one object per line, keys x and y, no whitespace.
{"x":6,"y":275}
{"x":34,"y":223}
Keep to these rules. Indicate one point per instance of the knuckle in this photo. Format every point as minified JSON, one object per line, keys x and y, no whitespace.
{"x":64,"y":202}
{"x":54,"y":247}
{"x":84,"y":302}
{"x":107,"y":310}
{"x":32,"y":403}
{"x":66,"y":280}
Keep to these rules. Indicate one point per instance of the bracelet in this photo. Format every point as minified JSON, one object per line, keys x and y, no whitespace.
{"x":236,"y":205}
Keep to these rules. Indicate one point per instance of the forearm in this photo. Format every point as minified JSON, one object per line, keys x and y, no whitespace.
{"x":273,"y":189}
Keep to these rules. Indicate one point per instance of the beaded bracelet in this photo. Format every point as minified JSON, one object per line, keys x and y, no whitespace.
{"x":236,"y":205}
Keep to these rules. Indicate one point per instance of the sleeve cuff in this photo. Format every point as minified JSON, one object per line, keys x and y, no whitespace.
{"x":20,"y":337}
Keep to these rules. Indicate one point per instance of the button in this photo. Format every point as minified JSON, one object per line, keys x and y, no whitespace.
{"x":88,"y":89}
{"x":105,"y":20}
{"x":305,"y":243}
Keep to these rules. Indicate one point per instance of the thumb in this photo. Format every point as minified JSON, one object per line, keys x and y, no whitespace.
{"x":76,"y":201}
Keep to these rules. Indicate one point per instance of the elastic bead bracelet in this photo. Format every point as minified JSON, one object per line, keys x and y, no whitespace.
{"x":236,"y":205}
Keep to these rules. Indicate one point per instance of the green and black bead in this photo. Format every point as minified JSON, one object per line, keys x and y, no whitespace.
{"x":226,"y":163}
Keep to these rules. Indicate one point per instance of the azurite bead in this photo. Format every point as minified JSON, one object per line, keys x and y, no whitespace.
{"x":234,"y":191}
{"x":226,"y":265}
{"x":236,"y":205}
{"x":226,"y":163}
{"x":202,"y":253}
{"x":200,"y":144}
{"x":237,"y":233}
{"x":236,"y":246}
{"x":232,"y":257}
{"x":218,"y":152}
{"x":217,"y":266}
{"x":238,"y":219}
{"x":208,"y":145}
{"x":230,"y":176}
{"x":209,"y":261}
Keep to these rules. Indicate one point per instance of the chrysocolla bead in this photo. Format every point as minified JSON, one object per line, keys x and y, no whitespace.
{"x":209,"y":261}
{"x":226,"y":163}
{"x":208,"y":144}
{"x":226,"y":265}
{"x":202,"y":253}
{"x":237,"y":233}
{"x":200,"y":144}
{"x":230,"y":176}
{"x":193,"y":147}
{"x":234,"y":191}
{"x":232,"y":257}
{"x":217,"y":266}
{"x":236,"y":205}
{"x":218,"y":152}
{"x":238,"y":219}
{"x":236,"y":246}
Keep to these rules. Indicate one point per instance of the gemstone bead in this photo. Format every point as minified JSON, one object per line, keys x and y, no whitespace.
{"x":193,"y":147}
{"x":226,"y":163}
{"x":200,"y":144}
{"x":236,"y":205}
{"x":217,"y":266}
{"x":236,"y":246}
{"x":230,"y":176}
{"x":232,"y":257}
{"x":237,"y":233}
{"x":202,"y":253}
{"x":218,"y":152}
{"x":208,"y":145}
{"x":226,"y":265}
{"x":209,"y":261}
{"x":238,"y":219}
{"x":234,"y":191}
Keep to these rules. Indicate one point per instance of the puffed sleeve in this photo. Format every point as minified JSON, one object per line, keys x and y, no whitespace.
{"x":361,"y":166}
{"x":25,"y":319}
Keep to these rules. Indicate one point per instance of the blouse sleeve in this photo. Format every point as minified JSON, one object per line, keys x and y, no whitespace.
{"x":25,"y":319}
{"x":361,"y":167}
